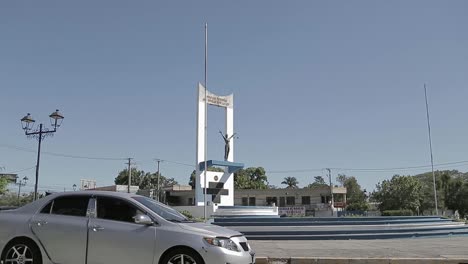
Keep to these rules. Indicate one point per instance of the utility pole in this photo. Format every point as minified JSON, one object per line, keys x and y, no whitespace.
{"x":19,"y":191}
{"x":206,"y":121}
{"x":157,"y":181}
{"x":430,"y":148}
{"x":38,"y":160}
{"x":129,"y":163}
{"x":21,"y":183}
{"x":331,"y":190}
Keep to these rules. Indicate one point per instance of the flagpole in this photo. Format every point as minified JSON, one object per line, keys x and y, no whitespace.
{"x":430,"y":148}
{"x":206,"y":119}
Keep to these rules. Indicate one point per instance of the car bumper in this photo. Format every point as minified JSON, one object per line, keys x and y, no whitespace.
{"x":218,"y":255}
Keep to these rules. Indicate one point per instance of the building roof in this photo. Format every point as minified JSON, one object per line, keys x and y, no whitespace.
{"x":284,"y":191}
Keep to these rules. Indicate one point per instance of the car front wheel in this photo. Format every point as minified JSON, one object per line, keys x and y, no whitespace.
{"x":183,"y":256}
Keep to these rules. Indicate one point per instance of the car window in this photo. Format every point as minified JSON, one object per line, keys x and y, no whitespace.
{"x":46,"y":209}
{"x":162,"y":210}
{"x":116,"y":209}
{"x":70,"y":205}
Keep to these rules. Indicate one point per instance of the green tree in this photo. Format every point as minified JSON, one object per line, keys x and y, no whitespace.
{"x":251,"y":178}
{"x":144,"y":180}
{"x":150,"y":181}
{"x":427,"y":183}
{"x":462,"y":200}
{"x":122,"y":177}
{"x":341,"y":178}
{"x":399,"y":193}
{"x":291,"y":182}
{"x":356,"y":197}
{"x":11,"y":199}
{"x":458,"y":198}
{"x":193,"y":179}
{"x":319,"y":182}
{"x":445,"y":180}
{"x":170,"y":182}
{"x":3,"y":185}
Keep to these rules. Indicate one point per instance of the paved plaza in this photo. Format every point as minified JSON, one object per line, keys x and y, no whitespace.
{"x":426,"y":248}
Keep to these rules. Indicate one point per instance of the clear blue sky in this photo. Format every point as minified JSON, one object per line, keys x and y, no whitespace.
{"x":317,"y":84}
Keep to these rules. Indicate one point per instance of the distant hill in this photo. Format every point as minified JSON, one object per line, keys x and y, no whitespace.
{"x":454,"y":174}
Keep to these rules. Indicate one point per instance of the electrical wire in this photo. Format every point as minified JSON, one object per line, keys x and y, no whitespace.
{"x":456,"y":163}
{"x":390,"y":169}
{"x":401,"y":168}
{"x":295,"y":171}
{"x":176,"y":162}
{"x":20,"y":170}
{"x":81,"y":157}
{"x":59,"y":154}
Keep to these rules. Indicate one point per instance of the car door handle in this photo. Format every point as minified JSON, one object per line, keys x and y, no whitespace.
{"x":40,"y":222}
{"x":96,"y":228}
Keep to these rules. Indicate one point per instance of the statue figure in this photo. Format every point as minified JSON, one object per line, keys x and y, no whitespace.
{"x":227,"y":140}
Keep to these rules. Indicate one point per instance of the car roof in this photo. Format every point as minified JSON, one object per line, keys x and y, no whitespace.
{"x":36,"y":205}
{"x":93,"y":192}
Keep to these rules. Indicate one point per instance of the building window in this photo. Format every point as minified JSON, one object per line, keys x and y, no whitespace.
{"x":282,"y":202}
{"x":290,"y":200}
{"x":271,"y":201}
{"x":305,"y":200}
{"x":245,"y":201}
{"x":252,"y":201}
{"x":325,"y":199}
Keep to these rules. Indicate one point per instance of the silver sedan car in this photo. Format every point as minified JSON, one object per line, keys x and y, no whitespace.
{"x":92,"y":227}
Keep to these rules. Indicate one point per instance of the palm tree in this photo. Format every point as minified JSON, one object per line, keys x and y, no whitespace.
{"x":291,"y":182}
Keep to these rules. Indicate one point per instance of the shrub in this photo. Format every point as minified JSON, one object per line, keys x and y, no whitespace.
{"x":187,"y":214}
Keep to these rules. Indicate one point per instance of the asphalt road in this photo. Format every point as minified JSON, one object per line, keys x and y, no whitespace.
{"x":447,"y":247}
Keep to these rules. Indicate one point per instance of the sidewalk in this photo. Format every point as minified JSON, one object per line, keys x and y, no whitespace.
{"x":418,"y":250}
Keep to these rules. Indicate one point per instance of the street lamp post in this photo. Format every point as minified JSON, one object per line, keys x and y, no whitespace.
{"x":27,"y":122}
{"x":332,"y":202}
{"x":158,"y":181}
{"x":21,"y":183}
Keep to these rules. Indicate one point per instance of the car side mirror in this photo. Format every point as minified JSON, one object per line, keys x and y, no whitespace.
{"x":143,"y":219}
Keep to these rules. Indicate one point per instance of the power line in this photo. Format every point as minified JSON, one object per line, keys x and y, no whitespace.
{"x":295,"y":171}
{"x":389,"y":169}
{"x":401,"y":168}
{"x":55,"y":185}
{"x":81,"y":157}
{"x":374,"y":169}
{"x":17,"y":148}
{"x":20,"y":170}
{"x":176,"y":162}
{"x":59,"y":154}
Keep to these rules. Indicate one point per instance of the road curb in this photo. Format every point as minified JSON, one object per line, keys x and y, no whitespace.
{"x":311,"y":260}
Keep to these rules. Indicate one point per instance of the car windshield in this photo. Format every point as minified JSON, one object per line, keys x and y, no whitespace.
{"x":162,"y":210}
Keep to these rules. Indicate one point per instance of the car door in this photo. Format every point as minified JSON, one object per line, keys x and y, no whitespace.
{"x":115,"y":238}
{"x":61,"y":227}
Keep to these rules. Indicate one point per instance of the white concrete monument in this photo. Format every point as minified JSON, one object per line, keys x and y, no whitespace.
{"x":220,"y":185}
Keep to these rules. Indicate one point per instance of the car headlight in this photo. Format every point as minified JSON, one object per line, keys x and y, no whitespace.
{"x":223,"y":242}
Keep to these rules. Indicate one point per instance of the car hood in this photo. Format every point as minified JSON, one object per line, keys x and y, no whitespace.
{"x":210,"y":230}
